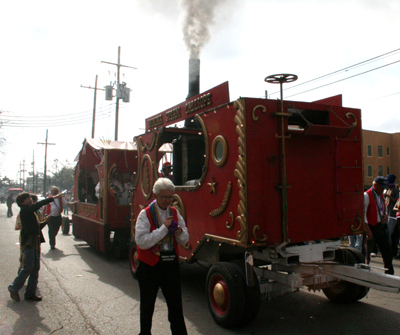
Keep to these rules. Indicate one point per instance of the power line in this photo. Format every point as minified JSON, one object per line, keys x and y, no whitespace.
{"x":312,"y":89}
{"x":61,"y":116}
{"x":54,"y":123}
{"x":341,"y":70}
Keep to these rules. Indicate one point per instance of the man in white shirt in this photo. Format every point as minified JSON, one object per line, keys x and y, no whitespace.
{"x":54,"y":209}
{"x":159,"y":230}
{"x":376,"y":217}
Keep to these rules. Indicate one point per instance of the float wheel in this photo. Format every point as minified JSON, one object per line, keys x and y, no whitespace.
{"x":225,"y":294}
{"x":341,"y":290}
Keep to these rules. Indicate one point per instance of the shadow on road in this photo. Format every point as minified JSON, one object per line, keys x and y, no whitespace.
{"x":299,"y":313}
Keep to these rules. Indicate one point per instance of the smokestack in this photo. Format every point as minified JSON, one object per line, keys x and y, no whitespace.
{"x":194,"y":77}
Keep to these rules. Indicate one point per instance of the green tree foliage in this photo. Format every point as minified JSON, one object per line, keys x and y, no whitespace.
{"x":62,"y":178}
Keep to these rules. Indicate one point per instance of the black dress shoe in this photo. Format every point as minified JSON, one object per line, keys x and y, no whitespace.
{"x":14,"y":295}
{"x":34,"y":298}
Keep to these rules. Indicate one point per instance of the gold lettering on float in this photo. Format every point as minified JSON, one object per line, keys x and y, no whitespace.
{"x":154,"y":122}
{"x":199,"y":103}
{"x":90,"y":209}
{"x":173,"y":114}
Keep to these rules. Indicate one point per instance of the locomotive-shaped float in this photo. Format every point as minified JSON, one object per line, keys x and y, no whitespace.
{"x":267,"y":188}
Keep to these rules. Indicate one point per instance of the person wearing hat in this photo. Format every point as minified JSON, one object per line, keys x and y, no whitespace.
{"x":391,"y":196}
{"x":166,"y":171}
{"x":376,"y":218}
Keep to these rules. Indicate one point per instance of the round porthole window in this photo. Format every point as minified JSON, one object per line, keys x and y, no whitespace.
{"x":219,"y":151}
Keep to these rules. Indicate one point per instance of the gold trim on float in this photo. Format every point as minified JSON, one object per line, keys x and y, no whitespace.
{"x":206,"y":144}
{"x":348,"y":115}
{"x":146,"y":176}
{"x":212,"y":185}
{"x":254,"y":117}
{"x":178,"y":204}
{"x":230,"y":225}
{"x":225,"y":201}
{"x":186,"y":246}
{"x":358,"y":219}
{"x":145,"y":146}
{"x":222,"y":140}
{"x":241,"y":170}
{"x":91,"y":220}
{"x":256,"y":228}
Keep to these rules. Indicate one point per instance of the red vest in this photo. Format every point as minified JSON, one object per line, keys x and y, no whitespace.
{"x":48,"y":208}
{"x":148,"y":256}
{"x":372,"y":210}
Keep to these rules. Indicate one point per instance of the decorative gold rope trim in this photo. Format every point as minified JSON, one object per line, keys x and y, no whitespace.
{"x":241,"y":171}
{"x":225,"y":201}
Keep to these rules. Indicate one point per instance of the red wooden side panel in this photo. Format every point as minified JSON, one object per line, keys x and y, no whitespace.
{"x":324,"y":174}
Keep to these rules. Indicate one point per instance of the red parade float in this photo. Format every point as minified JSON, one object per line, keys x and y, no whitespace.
{"x":104,"y":175}
{"x":267,"y":188}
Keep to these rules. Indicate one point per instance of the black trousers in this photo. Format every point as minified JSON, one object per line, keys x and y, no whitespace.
{"x":395,"y":238}
{"x":54,"y":225}
{"x":380,"y":234}
{"x":9,"y":211}
{"x":164,"y":275}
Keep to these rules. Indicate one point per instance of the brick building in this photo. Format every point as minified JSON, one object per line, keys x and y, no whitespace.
{"x":381,"y":155}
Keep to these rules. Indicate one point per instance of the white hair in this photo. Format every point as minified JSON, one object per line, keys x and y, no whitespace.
{"x":163,"y":184}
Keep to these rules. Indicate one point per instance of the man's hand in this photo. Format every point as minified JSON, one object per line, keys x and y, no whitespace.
{"x":57,"y":196}
{"x":168,"y":221}
{"x":384,"y":219}
{"x":178,"y":231}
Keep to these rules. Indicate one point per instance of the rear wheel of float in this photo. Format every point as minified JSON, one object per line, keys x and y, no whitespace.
{"x":252,"y":296}
{"x":133,"y":261}
{"x":65,"y":225}
{"x":360,"y":259}
{"x":225,"y":294}
{"x":341,"y":290}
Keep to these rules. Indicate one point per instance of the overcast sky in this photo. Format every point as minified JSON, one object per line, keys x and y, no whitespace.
{"x":50,"y":48}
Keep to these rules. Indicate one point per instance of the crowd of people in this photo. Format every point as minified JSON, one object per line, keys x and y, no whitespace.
{"x":159,"y":230}
{"x":382,"y":222}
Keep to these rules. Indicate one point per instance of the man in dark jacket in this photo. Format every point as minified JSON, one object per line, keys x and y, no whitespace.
{"x":31,"y":237}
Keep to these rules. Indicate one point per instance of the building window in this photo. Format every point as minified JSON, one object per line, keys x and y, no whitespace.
{"x":369,"y":150}
{"x":380,"y":152}
{"x":388,"y":151}
{"x":380,"y":171}
{"x":388,"y":170}
{"x":369,"y":171}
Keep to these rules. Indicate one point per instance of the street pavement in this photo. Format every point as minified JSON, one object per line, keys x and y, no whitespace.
{"x":85,"y":292}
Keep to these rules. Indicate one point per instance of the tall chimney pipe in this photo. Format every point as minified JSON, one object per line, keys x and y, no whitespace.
{"x":194,"y":77}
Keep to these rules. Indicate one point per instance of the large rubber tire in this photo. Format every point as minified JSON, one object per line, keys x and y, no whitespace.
{"x":343,"y":291}
{"x":225,"y":294}
{"x":65,"y":225}
{"x":360,"y":259}
{"x":133,"y":261}
{"x":252,"y":297}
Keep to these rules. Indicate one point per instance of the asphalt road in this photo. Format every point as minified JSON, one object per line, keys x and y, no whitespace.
{"x":85,"y":292}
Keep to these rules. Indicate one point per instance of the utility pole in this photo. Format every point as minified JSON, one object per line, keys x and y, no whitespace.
{"x":119,"y":65}
{"x":45,"y":161}
{"x":94,"y":103}
{"x":22,"y":180}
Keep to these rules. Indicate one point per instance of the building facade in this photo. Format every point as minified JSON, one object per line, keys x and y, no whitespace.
{"x":381,"y":153}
